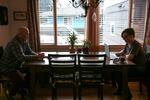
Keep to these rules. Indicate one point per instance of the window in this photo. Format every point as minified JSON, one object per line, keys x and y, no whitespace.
{"x":46,"y":21}
{"x":138,"y":18}
{"x":115,"y":20}
{"x":68,"y":20}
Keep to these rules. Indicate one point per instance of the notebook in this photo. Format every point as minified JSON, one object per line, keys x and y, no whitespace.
{"x":107,"y":51}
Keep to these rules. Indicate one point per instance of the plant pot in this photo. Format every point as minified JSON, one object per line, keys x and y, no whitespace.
{"x":79,"y":50}
{"x":72,"y":50}
{"x":85,"y":50}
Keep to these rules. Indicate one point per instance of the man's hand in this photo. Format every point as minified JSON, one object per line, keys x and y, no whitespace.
{"x":22,"y":75}
{"x":40,"y":56}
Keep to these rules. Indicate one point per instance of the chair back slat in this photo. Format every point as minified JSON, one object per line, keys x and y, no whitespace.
{"x":90,"y":65}
{"x":61,"y":65}
{"x":87,"y":59}
{"x":62,"y":59}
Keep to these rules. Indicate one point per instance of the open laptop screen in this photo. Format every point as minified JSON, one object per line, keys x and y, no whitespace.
{"x":107,"y":52}
{"x":106,"y":49}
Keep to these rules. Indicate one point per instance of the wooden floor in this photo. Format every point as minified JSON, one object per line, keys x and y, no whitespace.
{"x":88,"y":94}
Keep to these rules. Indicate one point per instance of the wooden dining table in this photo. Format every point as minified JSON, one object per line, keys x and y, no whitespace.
{"x":34,"y":66}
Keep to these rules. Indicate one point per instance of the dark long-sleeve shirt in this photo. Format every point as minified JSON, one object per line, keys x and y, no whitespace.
{"x":138,"y":52}
{"x":15,"y":54}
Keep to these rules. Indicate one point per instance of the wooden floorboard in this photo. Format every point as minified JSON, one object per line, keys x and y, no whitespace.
{"x":88,"y":94}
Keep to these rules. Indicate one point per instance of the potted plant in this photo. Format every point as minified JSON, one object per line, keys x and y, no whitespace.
{"x":72,"y":39}
{"x":79,"y":49}
{"x":86,"y":46}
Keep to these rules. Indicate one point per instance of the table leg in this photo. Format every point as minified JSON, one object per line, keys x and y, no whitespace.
{"x":32,"y":83}
{"x":125,"y":82}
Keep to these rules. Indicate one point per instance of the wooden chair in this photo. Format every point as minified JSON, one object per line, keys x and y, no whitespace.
{"x":148,"y":75}
{"x":141,"y":78}
{"x":4,"y":81}
{"x":1,"y":51}
{"x":2,"y":78}
{"x":138,"y":79}
{"x":90,"y":73}
{"x":63,"y":72}
{"x":5,"y":84}
{"x":148,"y":87}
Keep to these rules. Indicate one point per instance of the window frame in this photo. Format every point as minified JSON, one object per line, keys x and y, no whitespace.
{"x":47,"y":47}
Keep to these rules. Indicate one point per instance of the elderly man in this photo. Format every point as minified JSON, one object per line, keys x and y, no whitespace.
{"x":16,"y":52}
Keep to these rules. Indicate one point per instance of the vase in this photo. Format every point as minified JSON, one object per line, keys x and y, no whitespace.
{"x":79,"y":50}
{"x":85,"y":50}
{"x":72,"y":50}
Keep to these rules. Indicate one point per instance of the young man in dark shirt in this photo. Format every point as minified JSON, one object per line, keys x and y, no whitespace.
{"x":15,"y":54}
{"x":134,"y":52}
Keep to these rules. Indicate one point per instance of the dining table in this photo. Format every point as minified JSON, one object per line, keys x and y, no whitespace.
{"x":34,"y":66}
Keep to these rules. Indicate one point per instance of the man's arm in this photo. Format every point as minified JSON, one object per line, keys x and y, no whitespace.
{"x":20,"y":55}
{"x":134,"y":51}
{"x":130,"y":57}
{"x":28,"y":50}
{"x":121,"y":53}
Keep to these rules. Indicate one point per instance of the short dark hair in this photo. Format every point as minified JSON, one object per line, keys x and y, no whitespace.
{"x":128,"y":31}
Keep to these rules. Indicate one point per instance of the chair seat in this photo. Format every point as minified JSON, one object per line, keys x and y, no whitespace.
{"x":136,"y":79}
{"x":63,"y":76}
{"x":91,"y":77}
{"x":4,"y":78}
{"x":91,"y":84}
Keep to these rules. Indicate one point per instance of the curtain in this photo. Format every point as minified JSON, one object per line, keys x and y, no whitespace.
{"x":147,"y":29}
{"x":92,"y":30}
{"x":34,"y":39}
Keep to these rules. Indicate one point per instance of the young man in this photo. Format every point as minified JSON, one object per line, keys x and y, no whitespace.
{"x":133,"y":49}
{"x":15,"y":54}
{"x":134,"y":52}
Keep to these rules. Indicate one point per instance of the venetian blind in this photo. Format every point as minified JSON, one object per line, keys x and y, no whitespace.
{"x":138,"y":18}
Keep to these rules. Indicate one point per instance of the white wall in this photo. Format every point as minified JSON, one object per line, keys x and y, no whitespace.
{"x":16,"y":5}
{"x":8,"y":31}
{"x":4,"y":29}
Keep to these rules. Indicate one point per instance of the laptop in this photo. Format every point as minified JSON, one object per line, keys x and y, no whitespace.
{"x":111,"y":56}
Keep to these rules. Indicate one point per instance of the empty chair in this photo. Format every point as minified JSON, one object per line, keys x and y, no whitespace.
{"x":1,"y":51}
{"x":141,"y":78}
{"x":148,"y":75}
{"x":4,"y":81}
{"x":90,"y":73}
{"x":63,"y":72}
